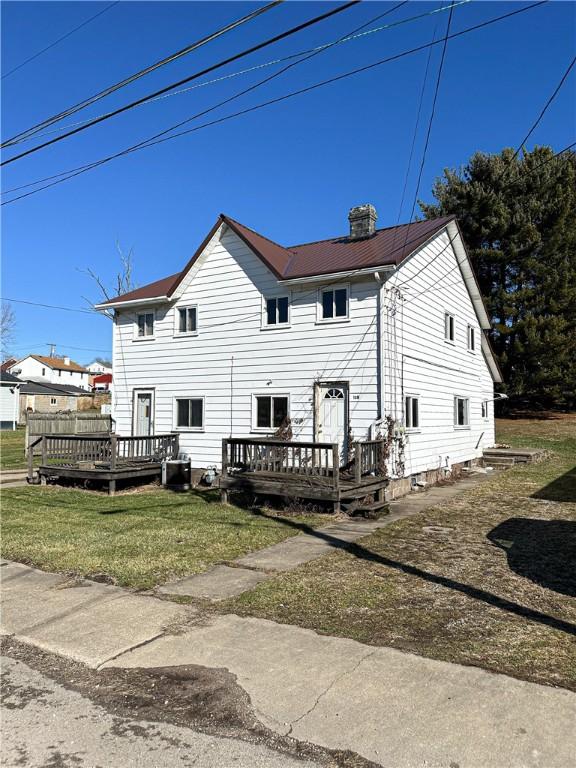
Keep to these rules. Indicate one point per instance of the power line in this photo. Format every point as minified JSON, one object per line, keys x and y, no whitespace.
{"x":136,"y":76}
{"x":152,"y":140}
{"x":51,"y":306}
{"x":59,"y":40}
{"x":256,"y":67}
{"x":545,"y":108}
{"x":188,"y":79}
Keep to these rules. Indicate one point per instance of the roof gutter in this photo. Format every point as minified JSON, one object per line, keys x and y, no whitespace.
{"x":131,"y":303}
{"x":372,"y":271}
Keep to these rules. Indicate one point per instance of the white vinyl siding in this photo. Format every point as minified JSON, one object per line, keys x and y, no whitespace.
{"x":231,"y":360}
{"x":229,"y":287}
{"x":427,"y":365}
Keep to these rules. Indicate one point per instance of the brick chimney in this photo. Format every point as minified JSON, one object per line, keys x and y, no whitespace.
{"x":362,"y":220}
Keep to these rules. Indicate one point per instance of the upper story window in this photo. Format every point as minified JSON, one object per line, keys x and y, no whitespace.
{"x":485,"y":411}
{"x":187,"y":320}
{"x":145,"y":325}
{"x":471,"y":338}
{"x":449,"y":329}
{"x":412,"y":412}
{"x":277,"y":311}
{"x":43,"y":371}
{"x":461,"y":412}
{"x":334,"y":303}
{"x":59,"y":373}
{"x":53,"y":401}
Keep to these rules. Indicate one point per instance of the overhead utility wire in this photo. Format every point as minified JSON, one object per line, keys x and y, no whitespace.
{"x":225,"y":101}
{"x":188,"y":79}
{"x":432,"y":115}
{"x":59,"y":40}
{"x":346,"y":276}
{"x":545,"y":108}
{"x":256,"y":67}
{"x":71,"y":173}
{"x":137,"y":75}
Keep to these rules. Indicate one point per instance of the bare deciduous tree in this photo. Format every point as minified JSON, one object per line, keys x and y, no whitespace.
{"x":7,"y":327}
{"x":123,"y":282}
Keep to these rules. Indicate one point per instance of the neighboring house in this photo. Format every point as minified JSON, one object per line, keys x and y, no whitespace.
{"x":98,"y":367}
{"x":336,"y":335}
{"x":47,"y":398}
{"x":101,"y":382}
{"x":51,"y":370}
{"x":8,"y":363}
{"x":9,"y":400}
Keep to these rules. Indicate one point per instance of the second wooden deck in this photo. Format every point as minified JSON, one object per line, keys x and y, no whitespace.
{"x":306,"y":470}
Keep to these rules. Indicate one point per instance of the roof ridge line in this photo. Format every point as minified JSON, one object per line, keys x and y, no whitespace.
{"x":273,"y":242}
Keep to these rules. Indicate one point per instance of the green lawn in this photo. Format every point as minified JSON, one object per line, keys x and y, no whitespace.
{"x":138,"y":539}
{"x":12,"y":449}
{"x":488,"y":578}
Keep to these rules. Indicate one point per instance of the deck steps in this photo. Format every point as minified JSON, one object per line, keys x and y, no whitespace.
{"x":373,"y":510}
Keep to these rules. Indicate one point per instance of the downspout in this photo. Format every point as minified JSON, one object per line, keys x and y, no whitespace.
{"x":379,"y":349}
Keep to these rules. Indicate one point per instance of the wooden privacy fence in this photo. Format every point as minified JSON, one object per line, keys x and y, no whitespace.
{"x":38,"y":424}
{"x":112,"y":453}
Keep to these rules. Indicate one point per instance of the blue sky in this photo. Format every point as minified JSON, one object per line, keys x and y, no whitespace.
{"x":291,"y":171}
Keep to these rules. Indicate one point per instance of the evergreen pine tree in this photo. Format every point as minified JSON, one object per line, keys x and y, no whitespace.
{"x":518,"y":219}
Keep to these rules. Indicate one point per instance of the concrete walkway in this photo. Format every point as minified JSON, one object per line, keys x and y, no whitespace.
{"x":245,"y":573}
{"x":393,"y":708}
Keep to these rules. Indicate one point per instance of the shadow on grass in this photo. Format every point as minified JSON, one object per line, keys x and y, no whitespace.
{"x":561,"y":489}
{"x":362,"y":553}
{"x":543,"y":551}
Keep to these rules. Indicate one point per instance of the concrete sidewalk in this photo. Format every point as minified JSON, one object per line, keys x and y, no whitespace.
{"x":390,"y":707}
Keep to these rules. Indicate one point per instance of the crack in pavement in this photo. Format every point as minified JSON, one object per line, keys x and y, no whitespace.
{"x":329,"y":688}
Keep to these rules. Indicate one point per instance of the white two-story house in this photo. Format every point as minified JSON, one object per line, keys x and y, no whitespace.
{"x":53,"y":370}
{"x":334,"y":336}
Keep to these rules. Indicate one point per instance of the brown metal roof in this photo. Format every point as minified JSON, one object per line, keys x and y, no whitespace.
{"x":386,"y":247}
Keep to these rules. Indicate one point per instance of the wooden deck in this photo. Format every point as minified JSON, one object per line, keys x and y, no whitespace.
{"x":106,"y":459}
{"x":306,"y":470}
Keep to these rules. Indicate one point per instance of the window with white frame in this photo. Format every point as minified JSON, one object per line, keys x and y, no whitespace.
{"x":145,"y":325}
{"x":270,"y":411}
{"x":449,"y":327}
{"x":461,"y":412}
{"x":53,"y":401}
{"x":471,"y":338}
{"x":334,"y":303}
{"x":189,"y":413}
{"x":485,"y":411}
{"x":277,"y":311}
{"x":187,"y":320}
{"x":412,"y":412}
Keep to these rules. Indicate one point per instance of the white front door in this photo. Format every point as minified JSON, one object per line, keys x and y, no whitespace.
{"x":143,"y":413}
{"x":332,"y":426}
